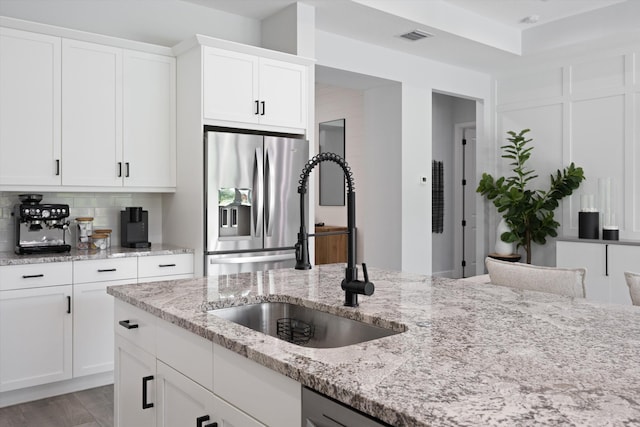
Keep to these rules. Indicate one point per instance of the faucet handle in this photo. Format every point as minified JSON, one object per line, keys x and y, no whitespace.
{"x":364,"y":270}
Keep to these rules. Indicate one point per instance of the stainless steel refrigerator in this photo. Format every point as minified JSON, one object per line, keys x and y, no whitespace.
{"x":252,"y":201}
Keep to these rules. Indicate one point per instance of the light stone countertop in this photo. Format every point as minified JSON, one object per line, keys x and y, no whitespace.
{"x":473,"y":354}
{"x":11,"y":258}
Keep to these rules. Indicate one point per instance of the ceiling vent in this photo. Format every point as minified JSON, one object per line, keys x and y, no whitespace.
{"x":416,"y":35}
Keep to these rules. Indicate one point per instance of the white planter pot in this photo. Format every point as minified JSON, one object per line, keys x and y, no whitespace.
{"x":502,"y":248}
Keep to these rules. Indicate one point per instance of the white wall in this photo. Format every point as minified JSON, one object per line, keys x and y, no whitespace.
{"x":418,"y":78}
{"x":583,"y":110}
{"x":332,"y":103}
{"x":103,"y":207}
{"x":379,"y":194}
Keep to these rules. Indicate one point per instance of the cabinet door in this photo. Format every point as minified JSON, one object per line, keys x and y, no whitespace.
{"x":592,"y":257}
{"x":91,"y":114}
{"x":182,"y":402}
{"x":93,"y":328}
{"x":29,"y":108}
{"x":134,"y":386}
{"x":149,"y":132}
{"x":283,"y":89}
{"x":35,"y":336}
{"x":622,"y":258}
{"x":230,"y":86}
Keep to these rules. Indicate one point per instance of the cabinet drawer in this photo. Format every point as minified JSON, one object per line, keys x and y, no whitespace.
{"x":165,"y":265}
{"x":35,"y":275}
{"x":105,"y":270}
{"x":135,"y":325}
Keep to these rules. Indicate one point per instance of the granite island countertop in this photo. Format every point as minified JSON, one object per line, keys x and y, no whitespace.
{"x":473,"y":354}
{"x":11,"y":258}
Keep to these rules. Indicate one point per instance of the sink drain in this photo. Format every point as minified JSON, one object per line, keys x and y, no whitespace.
{"x":294,"y":331}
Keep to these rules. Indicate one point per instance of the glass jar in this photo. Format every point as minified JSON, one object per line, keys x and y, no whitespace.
{"x":84,"y":229}
{"x":99,"y":241}
{"x":106,"y":231}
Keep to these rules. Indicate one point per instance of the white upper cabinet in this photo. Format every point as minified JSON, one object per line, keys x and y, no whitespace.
{"x":92,"y":114}
{"x":283,"y":100}
{"x":230,"y":86}
{"x":118,"y":122}
{"x":85,"y":116}
{"x":149,"y":108}
{"x":245,"y":88}
{"x":29,"y":108}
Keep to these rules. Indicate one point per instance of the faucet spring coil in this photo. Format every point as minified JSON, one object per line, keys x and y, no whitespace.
{"x":332,"y":157}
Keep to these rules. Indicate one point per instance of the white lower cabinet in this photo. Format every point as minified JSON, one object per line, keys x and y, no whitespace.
{"x":35,"y":336}
{"x":35,"y":324}
{"x":176,"y":371}
{"x":183,"y":402}
{"x":165,"y":267}
{"x":134,"y":389}
{"x":93,"y":311}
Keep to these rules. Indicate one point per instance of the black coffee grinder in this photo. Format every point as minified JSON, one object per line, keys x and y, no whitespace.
{"x":134,"y":228}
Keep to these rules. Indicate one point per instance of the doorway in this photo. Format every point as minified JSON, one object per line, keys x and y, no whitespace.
{"x":465,"y":197}
{"x":454,"y":156}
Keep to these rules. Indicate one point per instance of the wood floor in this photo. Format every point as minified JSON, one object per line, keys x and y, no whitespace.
{"x":88,"y":408}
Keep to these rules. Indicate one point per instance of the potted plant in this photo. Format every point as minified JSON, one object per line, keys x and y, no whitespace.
{"x":528,"y":212}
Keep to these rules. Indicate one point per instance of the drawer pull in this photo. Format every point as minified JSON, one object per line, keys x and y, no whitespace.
{"x":166,"y":265}
{"x":31,"y":276}
{"x":127,"y":324}
{"x":204,"y":418}
{"x":106,"y":270}
{"x":145,"y":404}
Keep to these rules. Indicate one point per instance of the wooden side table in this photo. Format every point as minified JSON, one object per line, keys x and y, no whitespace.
{"x":332,"y":248}
{"x":509,"y":258}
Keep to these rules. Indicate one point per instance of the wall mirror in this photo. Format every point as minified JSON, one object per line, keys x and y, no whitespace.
{"x":331,"y":175}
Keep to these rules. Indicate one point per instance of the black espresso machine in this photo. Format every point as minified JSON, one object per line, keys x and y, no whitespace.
{"x":40,"y":228}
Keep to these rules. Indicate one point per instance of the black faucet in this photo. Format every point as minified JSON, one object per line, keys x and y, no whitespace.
{"x":351,"y":285}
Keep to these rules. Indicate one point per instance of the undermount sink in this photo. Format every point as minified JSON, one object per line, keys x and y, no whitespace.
{"x":302,"y":325}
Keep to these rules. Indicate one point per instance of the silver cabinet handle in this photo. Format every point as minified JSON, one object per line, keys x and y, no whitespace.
{"x":250,"y":259}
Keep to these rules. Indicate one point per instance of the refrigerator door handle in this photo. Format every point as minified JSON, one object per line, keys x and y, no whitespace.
{"x":269,"y":199}
{"x":256,"y":198}
{"x":251,"y":259}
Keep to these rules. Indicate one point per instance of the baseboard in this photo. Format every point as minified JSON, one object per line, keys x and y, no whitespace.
{"x":43,"y":391}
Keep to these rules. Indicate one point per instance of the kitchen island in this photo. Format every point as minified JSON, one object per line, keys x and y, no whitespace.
{"x":471,"y":354}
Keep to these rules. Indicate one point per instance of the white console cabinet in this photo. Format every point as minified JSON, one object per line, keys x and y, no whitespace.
{"x":35,"y":324}
{"x":171,"y":377}
{"x":249,"y":89}
{"x":605,"y":263}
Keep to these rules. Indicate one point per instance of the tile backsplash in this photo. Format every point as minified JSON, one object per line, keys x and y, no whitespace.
{"x":103,"y":207}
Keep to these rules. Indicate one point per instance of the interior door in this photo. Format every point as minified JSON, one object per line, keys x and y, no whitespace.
{"x":234,"y":191}
{"x":283,"y":163}
{"x":469,"y":203}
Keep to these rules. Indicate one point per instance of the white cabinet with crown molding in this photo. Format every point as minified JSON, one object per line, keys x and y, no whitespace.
{"x":244,"y":88}
{"x":30,"y":86}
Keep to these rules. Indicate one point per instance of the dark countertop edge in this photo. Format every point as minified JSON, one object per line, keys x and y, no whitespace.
{"x":11,"y":258}
{"x":600,"y":241}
